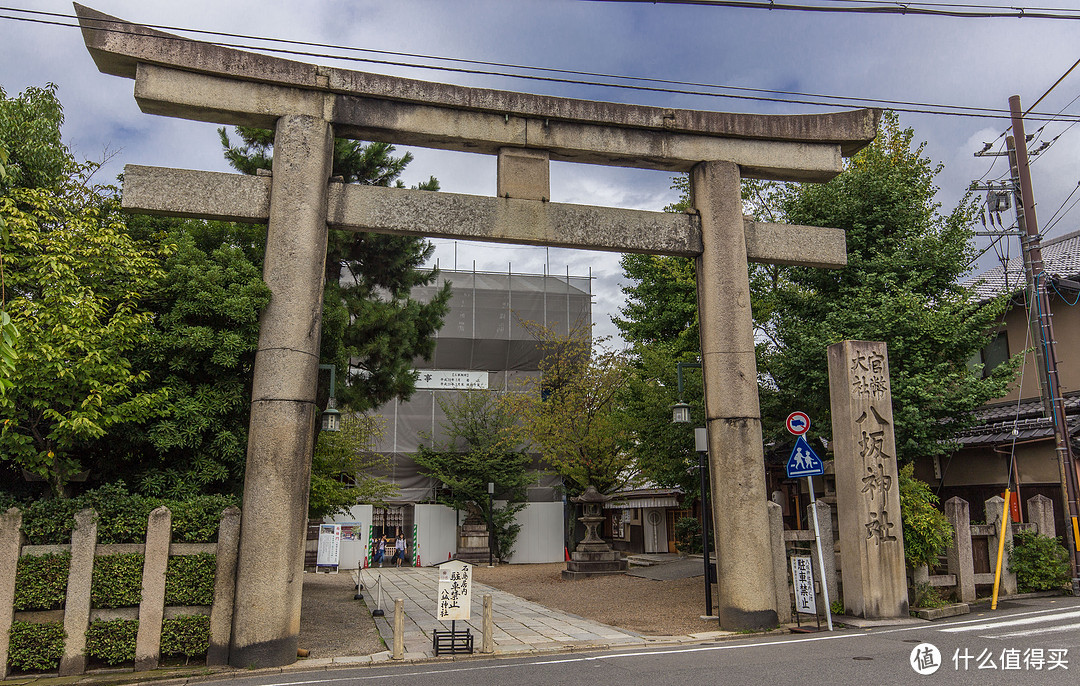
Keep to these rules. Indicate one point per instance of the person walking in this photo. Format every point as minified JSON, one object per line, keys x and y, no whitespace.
{"x":399,"y":550}
{"x":380,"y":550}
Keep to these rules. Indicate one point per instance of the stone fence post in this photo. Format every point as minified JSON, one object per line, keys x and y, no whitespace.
{"x":960,"y":562}
{"x":77,"y":602}
{"x":1041,"y":514}
{"x":779,"y":562}
{"x":828,"y":547}
{"x":221,"y":612}
{"x":994,"y":508}
{"x":152,"y":607}
{"x":10,"y":543}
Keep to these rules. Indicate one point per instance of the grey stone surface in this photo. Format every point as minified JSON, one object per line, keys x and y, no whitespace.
{"x":523,"y":173}
{"x":221,"y":611}
{"x":1041,"y":514}
{"x":746,"y":587}
{"x":827,"y":548}
{"x":266,"y":620}
{"x":958,"y":555}
{"x":779,"y":562}
{"x":152,"y":606}
{"x":409,"y":112}
{"x":10,"y":542}
{"x":867,"y":488}
{"x":77,"y":600}
{"x":994,"y":507}
{"x":933,"y":613}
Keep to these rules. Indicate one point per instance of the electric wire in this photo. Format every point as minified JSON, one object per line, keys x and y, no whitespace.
{"x":1050,"y":221}
{"x":836,"y":101}
{"x":904,"y":8}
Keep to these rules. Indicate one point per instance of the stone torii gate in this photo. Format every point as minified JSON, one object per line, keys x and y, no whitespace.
{"x":307,"y":105}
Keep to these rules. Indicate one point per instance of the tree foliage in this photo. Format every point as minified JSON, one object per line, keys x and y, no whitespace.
{"x":371,"y":324}
{"x":571,"y":411}
{"x":481,"y":446}
{"x":344,"y":468}
{"x":927,"y":532}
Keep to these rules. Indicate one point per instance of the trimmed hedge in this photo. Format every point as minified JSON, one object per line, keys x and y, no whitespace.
{"x":113,"y":641}
{"x":190,"y":579}
{"x":36,"y":647}
{"x":187,"y":635}
{"x":1040,"y":563}
{"x":122,"y":516}
{"x":41,"y":581}
{"x":117,"y":581}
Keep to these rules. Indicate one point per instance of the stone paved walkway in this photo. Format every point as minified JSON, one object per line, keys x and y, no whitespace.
{"x":521,"y":626}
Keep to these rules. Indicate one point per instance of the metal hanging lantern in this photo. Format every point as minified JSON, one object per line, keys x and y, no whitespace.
{"x":331,"y":418}
{"x":680,"y":413}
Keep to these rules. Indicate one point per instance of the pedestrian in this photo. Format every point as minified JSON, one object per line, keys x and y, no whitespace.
{"x":380,"y":550}
{"x":399,"y":550}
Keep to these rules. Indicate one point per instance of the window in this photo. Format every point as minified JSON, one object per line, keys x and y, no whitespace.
{"x":995,"y":353}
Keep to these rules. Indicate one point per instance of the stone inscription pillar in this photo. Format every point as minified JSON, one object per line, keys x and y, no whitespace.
{"x":746,"y":581}
{"x":867,"y":487}
{"x":270,"y":565}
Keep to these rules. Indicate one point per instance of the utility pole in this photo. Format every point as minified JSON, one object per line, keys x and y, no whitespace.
{"x":1043,"y":332}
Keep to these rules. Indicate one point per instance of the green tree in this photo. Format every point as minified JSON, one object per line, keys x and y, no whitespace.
{"x":571,"y":411}
{"x":901,"y":286}
{"x":371,"y":325}
{"x":74,"y":282}
{"x":344,"y":467}
{"x":927,"y":532}
{"x":202,"y":352}
{"x":481,"y":447}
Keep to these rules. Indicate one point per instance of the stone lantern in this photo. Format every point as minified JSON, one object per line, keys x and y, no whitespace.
{"x":593,"y":557}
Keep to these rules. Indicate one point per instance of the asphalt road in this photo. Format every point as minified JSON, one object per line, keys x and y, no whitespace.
{"x":1036,"y":641}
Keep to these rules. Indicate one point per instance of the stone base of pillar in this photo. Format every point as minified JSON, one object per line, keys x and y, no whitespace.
{"x":473,"y":544}
{"x":594,"y":560}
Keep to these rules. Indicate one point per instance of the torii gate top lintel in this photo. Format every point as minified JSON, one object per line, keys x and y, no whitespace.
{"x":412,"y":112}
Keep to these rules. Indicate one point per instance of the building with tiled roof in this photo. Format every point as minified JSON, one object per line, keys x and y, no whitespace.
{"x":1014,"y":430}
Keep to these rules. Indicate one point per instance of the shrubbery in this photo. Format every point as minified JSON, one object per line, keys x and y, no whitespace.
{"x":688,"y":535}
{"x":187,"y":635}
{"x":41,"y":581}
{"x":1040,"y":563}
{"x":36,"y":647}
{"x":117,"y":581}
{"x":190,"y":579}
{"x":113,"y":641}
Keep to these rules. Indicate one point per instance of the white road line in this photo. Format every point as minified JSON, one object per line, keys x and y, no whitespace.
{"x":1036,"y":632}
{"x":928,"y":625}
{"x":562,"y":661}
{"x":1014,"y":622}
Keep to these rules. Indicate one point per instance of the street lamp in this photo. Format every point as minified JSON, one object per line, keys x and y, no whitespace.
{"x":491,"y":522}
{"x":331,"y":418}
{"x":680,"y":414}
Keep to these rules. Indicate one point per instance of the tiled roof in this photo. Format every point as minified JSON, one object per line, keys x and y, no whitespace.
{"x":1061,"y":257}
{"x":997,"y":422}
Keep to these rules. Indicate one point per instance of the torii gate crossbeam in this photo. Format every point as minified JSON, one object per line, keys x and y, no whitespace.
{"x":307,"y":105}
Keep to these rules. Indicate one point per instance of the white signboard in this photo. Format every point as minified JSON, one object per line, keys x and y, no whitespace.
{"x":329,"y":545}
{"x":802,"y":574}
{"x":455,"y":590}
{"x":435,"y":379}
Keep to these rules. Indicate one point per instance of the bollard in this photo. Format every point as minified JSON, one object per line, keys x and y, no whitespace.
{"x":378,"y":611}
{"x":399,"y":629}
{"x":488,"y":645}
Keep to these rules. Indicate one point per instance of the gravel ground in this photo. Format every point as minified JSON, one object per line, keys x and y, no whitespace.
{"x":332,"y":624}
{"x":655,"y":608}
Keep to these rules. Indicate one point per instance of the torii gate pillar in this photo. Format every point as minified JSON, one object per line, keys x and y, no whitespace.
{"x":745,"y":580}
{"x":266,"y":619}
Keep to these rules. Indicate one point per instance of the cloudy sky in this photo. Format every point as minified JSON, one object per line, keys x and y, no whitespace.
{"x":948,"y":61}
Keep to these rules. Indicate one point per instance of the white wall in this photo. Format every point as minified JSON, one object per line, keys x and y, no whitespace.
{"x":352,"y":552}
{"x":436,"y":533}
{"x":541,"y":535}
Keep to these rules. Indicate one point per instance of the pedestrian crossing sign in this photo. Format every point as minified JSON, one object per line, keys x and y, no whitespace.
{"x":803,"y":461}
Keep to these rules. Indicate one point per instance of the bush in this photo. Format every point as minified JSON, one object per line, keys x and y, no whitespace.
{"x":36,"y":647}
{"x":688,"y":535}
{"x":190,"y":579}
{"x":112,"y":642}
{"x":122,"y":516}
{"x":1040,"y":563}
{"x":927,"y":531}
{"x":187,"y":635}
{"x":41,"y":581}
{"x":117,"y":581}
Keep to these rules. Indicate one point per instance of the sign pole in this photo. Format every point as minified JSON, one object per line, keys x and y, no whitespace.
{"x":820,"y":558}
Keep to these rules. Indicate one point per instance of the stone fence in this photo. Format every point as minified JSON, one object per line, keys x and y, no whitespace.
{"x":77,"y":614}
{"x":974,"y":547}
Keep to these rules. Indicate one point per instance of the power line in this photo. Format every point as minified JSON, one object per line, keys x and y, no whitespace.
{"x":828,"y":100}
{"x":904,"y":8}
